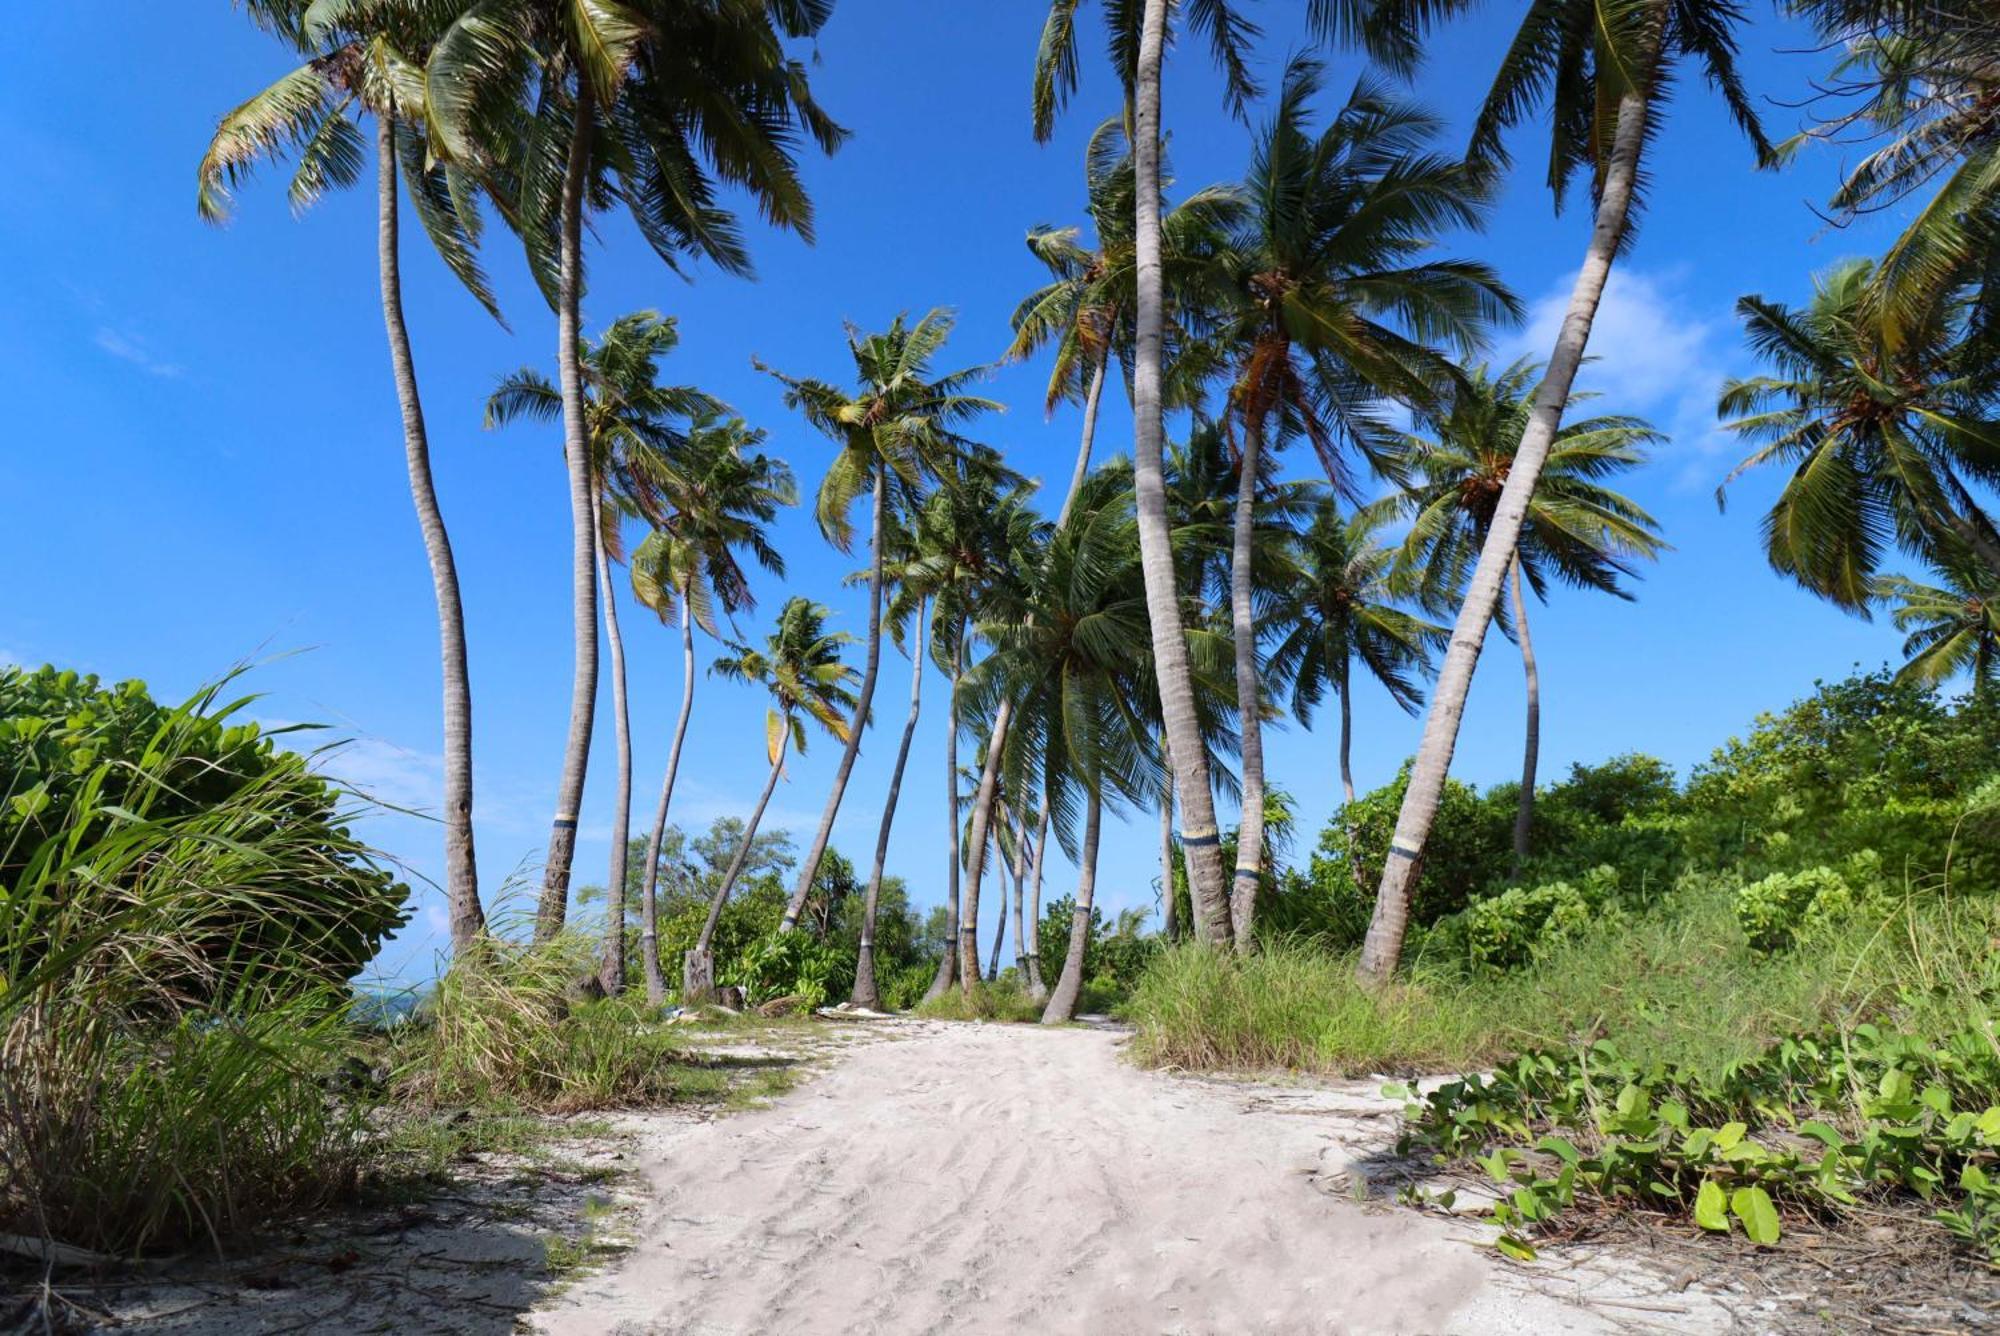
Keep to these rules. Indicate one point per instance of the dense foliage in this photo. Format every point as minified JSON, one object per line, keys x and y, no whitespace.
{"x":79,"y":762}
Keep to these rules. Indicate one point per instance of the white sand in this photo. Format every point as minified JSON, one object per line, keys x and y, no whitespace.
{"x":1007,"y":1178}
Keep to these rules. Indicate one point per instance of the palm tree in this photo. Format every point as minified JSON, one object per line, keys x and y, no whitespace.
{"x":363,"y":64}
{"x":1606,"y":71}
{"x":1334,"y":244}
{"x":718,"y":496}
{"x":1085,"y":312}
{"x":1576,"y":530}
{"x":800,"y":666}
{"x":644,"y":104}
{"x":1342,"y":608}
{"x":1072,"y":655}
{"x":1953,"y":627}
{"x":1923,"y":76}
{"x":1138,"y":34}
{"x":974,"y":538}
{"x":899,"y":428}
{"x":633,"y":441}
{"x":1883,"y":442}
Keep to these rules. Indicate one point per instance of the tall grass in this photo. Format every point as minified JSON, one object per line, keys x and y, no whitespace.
{"x":506,"y":1029}
{"x":1677,"y":984}
{"x":165,"y":1032}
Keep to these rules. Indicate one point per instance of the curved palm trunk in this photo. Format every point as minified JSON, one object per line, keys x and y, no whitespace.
{"x":698,"y":965}
{"x":1091,"y":398}
{"x":865,"y":993}
{"x":461,"y":880}
{"x":1038,"y":987}
{"x":649,"y":898}
{"x":1383,"y":949}
{"x":554,"y":906}
{"x":1249,"y":705}
{"x":810,"y":868}
{"x":611,"y":973}
{"x":1524,"y":817}
{"x":1200,"y":838}
{"x":1356,"y":868}
{"x":947,"y":970}
{"x":1062,"y":1002}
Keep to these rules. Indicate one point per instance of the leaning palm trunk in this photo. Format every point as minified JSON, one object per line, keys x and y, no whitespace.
{"x":947,"y":971}
{"x":810,"y":868}
{"x":865,"y":993}
{"x":461,"y":882}
{"x":1356,"y":868}
{"x":698,"y":966}
{"x":1038,"y":988}
{"x":1062,"y":1002}
{"x":611,"y":972}
{"x":649,"y":897}
{"x":1383,"y":948}
{"x":1091,"y":397}
{"x":1249,"y":708}
{"x":554,"y":906}
{"x":1200,"y":838}
{"x":1524,"y":816}
{"x":984,"y":800}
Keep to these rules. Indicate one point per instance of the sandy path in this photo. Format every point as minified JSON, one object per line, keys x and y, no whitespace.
{"x":974,"y":1178}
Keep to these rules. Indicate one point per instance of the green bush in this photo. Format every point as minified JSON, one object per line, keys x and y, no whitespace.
{"x":1520,"y":925}
{"x":78,"y":761}
{"x":169,"y":933}
{"x":792,"y":964}
{"x":1775,"y":911}
{"x":903,"y":987}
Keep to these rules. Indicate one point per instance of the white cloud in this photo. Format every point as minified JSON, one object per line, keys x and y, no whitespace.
{"x":1654,"y":352}
{"x":128,"y":347}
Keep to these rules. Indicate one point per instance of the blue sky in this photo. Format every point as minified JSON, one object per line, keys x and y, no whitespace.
{"x":206,"y":465}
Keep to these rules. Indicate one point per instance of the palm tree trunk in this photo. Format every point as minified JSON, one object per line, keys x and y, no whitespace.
{"x":698,"y":966}
{"x":947,"y":970}
{"x":1524,"y":816}
{"x":984,"y":800}
{"x":1249,"y":705}
{"x":1355,"y":866}
{"x":554,"y":906}
{"x":865,"y":993}
{"x":810,"y":868}
{"x":1062,"y":1002}
{"x":1038,"y":988}
{"x":1200,"y":838}
{"x":1169,"y":916}
{"x":1000,"y":919}
{"x":1091,"y":397}
{"x":461,"y":880}
{"x":611,"y":973}
{"x":649,"y":939}
{"x":1383,"y":949}
{"x":1020,"y":898}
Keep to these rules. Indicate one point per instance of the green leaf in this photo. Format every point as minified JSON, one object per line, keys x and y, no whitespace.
{"x":1760,"y":1218}
{"x":1711,"y":1208}
{"x":1515,"y":1247}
